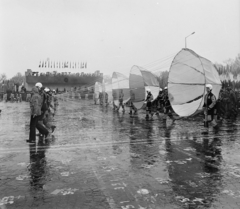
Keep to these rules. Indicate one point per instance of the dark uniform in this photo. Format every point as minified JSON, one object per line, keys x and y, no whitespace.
{"x":149,"y":100}
{"x":106,"y":98}
{"x":210,"y":109}
{"x":159,"y":102}
{"x":132,"y":107}
{"x":101,"y":98}
{"x":166,"y":105}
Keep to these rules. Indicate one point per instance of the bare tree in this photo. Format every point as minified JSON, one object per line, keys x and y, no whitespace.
{"x":18,"y":78}
{"x":107,"y":78}
{"x":3,"y":77}
{"x":163,"y":79}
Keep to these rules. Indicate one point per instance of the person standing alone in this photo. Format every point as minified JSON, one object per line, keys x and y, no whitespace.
{"x":210,"y":110}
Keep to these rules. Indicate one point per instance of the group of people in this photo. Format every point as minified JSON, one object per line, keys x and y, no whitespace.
{"x":43,"y":105}
{"x":160,"y":104}
{"x":13,"y":97}
{"x":226,"y":106}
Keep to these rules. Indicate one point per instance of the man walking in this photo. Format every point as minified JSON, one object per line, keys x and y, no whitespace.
{"x":35,"y":105}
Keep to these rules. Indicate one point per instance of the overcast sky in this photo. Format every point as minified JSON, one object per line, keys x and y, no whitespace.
{"x":114,"y":35}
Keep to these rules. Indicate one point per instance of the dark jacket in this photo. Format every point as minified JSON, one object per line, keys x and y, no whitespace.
{"x":210,"y":103}
{"x":35,"y":102}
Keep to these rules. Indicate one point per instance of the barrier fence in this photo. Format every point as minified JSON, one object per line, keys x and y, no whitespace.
{"x":25,"y":96}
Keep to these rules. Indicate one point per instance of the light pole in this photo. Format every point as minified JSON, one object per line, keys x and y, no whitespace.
{"x":186,"y":39}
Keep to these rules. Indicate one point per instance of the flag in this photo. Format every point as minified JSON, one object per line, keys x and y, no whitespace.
{"x":40,"y":64}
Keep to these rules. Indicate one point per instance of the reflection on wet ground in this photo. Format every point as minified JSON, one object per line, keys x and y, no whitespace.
{"x":101,"y":159}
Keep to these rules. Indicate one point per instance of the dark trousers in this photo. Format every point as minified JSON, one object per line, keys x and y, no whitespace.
{"x":35,"y":124}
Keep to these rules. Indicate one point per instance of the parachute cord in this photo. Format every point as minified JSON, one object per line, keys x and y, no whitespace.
{"x":159,"y":60}
{"x":165,"y":65}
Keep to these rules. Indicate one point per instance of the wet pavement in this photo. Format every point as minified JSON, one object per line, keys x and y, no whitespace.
{"x":101,"y":159}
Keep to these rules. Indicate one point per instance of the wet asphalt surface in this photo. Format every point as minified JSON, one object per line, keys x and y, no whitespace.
{"x":101,"y":159}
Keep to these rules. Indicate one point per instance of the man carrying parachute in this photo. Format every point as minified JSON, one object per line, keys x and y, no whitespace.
{"x":144,"y":88}
{"x":189,"y":73}
{"x":159,"y":101}
{"x":166,"y":105}
{"x":210,"y":110}
{"x":149,"y":100}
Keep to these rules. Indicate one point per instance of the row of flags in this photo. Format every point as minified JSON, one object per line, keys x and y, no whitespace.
{"x":53,"y":64}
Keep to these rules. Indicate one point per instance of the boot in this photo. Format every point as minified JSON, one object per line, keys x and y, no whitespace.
{"x":214,"y":123}
{"x":53,"y":128}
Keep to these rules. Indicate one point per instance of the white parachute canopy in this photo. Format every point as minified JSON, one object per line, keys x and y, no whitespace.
{"x":120,"y":82}
{"x":140,"y":81}
{"x":189,"y":73}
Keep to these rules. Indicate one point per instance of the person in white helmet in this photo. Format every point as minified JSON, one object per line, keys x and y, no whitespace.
{"x":167,"y":105}
{"x":149,"y":100}
{"x":35,"y":106}
{"x":44,"y":107}
{"x":210,"y":110}
{"x":159,"y":101}
{"x":38,"y":85}
{"x":49,"y":113}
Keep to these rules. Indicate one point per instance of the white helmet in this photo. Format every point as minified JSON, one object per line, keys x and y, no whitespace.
{"x":39,"y":85}
{"x":148,"y":90}
{"x":46,"y":89}
{"x":160,"y":89}
{"x":165,"y":88}
{"x":209,"y":86}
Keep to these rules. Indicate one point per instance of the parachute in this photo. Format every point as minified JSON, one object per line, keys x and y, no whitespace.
{"x":120,"y":82}
{"x":188,"y":75}
{"x":140,"y":81}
